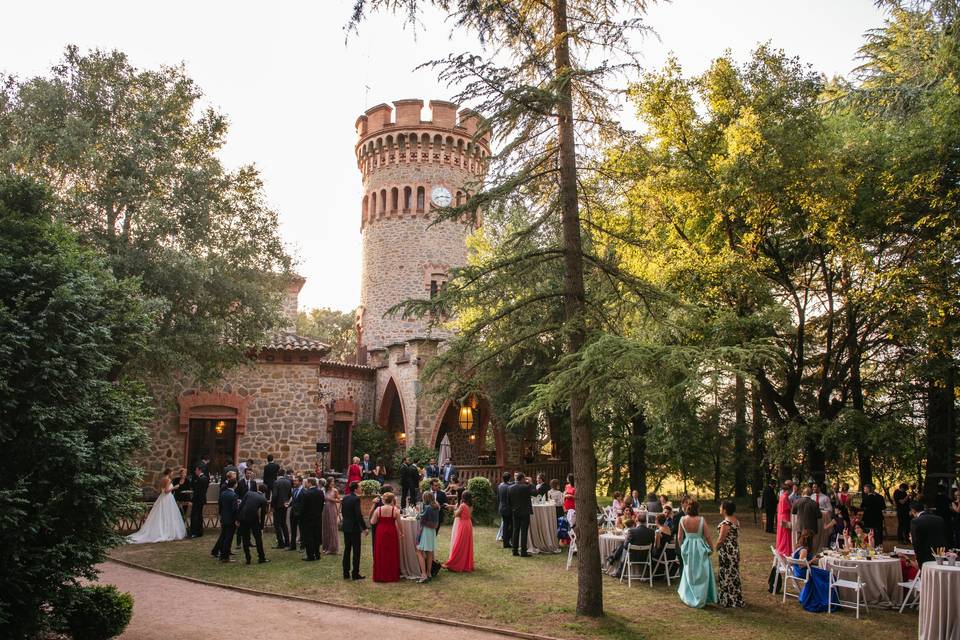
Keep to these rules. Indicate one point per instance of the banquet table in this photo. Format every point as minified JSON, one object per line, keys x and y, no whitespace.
{"x":609,"y":542}
{"x":939,"y":601}
{"x":823,"y":540}
{"x":409,"y":564}
{"x":881,"y":577}
{"x":543,"y":528}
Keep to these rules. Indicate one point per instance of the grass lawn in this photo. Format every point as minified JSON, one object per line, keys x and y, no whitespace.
{"x":535,"y":595}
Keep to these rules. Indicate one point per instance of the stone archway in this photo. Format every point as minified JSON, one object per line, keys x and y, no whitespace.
{"x":223,"y":414}
{"x":391,"y":415}
{"x":469,"y":447}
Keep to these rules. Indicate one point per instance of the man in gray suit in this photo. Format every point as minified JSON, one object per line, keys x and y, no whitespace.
{"x":809,"y":517}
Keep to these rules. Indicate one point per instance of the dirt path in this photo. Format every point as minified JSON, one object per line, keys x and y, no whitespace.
{"x":166,"y":608}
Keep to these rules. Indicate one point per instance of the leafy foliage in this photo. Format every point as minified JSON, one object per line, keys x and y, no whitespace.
{"x":484,"y":500}
{"x":419,"y":455}
{"x":331,"y":327}
{"x":69,"y":421}
{"x":371,"y":438}
{"x":369,"y":487}
{"x":97,"y":612}
{"x":132,"y":160}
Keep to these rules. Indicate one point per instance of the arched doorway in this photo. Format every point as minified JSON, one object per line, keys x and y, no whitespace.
{"x":481,"y":445}
{"x":390,"y":417}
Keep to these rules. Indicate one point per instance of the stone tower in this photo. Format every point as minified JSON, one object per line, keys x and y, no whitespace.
{"x":410,"y":166}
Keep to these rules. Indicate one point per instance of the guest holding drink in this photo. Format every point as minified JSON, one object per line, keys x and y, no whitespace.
{"x":784,"y":542}
{"x":461,"y":547}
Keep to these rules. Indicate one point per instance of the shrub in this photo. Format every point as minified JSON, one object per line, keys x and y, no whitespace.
{"x":369,"y":487}
{"x":97,"y":612}
{"x":373,"y":439}
{"x":70,"y":419}
{"x":424,"y":486}
{"x":484,"y":500}
{"x":419,"y":455}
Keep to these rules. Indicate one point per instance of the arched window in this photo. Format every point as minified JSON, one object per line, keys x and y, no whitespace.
{"x":394,"y":197}
{"x":373,"y":204}
{"x":383,"y":200}
{"x":421,"y":198}
{"x":366,"y":205}
{"x":407,"y":198}
{"x":459,"y":198}
{"x":402,"y":141}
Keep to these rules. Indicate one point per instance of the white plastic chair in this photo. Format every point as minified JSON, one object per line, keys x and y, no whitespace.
{"x":790,"y":577}
{"x":839,"y":569}
{"x":646,"y":566}
{"x":572,"y":548}
{"x":781,"y":572}
{"x":912,"y":597}
{"x":665,"y":562}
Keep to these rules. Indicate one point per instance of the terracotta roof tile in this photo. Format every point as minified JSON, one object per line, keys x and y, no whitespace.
{"x":288,"y":341}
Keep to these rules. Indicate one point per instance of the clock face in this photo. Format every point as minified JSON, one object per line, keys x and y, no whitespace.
{"x":440,"y":196}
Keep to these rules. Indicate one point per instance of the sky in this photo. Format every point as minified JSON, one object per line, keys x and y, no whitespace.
{"x":292,"y":83}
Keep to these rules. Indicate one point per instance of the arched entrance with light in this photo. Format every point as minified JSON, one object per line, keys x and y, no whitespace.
{"x":472,"y":438}
{"x":391,"y":417}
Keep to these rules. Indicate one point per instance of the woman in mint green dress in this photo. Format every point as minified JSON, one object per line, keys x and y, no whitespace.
{"x":697,"y":585}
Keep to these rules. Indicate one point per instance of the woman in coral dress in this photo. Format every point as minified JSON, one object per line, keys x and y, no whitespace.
{"x":354,"y":473}
{"x":461,"y":547}
{"x":386,"y":546}
{"x":784,"y":541}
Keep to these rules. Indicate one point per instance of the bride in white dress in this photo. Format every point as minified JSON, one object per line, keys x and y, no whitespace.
{"x":165,"y":522}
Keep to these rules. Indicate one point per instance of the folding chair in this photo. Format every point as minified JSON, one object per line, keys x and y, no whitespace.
{"x":790,"y":576}
{"x":646,"y":566}
{"x":781,"y":572}
{"x":572,"y":548}
{"x":912,"y":598}
{"x":839,"y":569}
{"x":666,"y":562}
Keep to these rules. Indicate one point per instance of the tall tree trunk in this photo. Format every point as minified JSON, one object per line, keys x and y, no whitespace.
{"x":638,"y":452}
{"x":941,"y":423}
{"x":740,"y":462}
{"x":589,"y":576}
{"x":616,"y":475}
{"x":759,"y":466}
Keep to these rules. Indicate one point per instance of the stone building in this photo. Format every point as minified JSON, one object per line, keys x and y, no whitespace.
{"x":293,"y":397}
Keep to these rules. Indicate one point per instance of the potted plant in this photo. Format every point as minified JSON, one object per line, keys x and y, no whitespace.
{"x":369,"y":490}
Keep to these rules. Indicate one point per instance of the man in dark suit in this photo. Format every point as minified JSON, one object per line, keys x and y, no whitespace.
{"x":873,"y":505}
{"x":639,"y":535}
{"x":204,"y":463}
{"x":198,"y":486}
{"x":243,"y":485}
{"x":768,"y":502}
{"x":353,"y":526}
{"x":296,"y":508}
{"x":227,"y":505}
{"x":282,"y":491}
{"x":521,"y":508}
{"x":926,"y":533}
{"x":270,"y":472}
{"x":503,"y":508}
{"x":431,"y":470}
{"x":311,"y":519}
{"x":253,"y":507}
{"x":809,"y":517}
{"x":441,"y":499}
{"x":542,"y":486}
{"x":409,"y":479}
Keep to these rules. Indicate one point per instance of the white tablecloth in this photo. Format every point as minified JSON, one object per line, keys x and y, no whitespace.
{"x":409,"y":564}
{"x":881,"y":577}
{"x":543,"y":528}
{"x":609,"y":542}
{"x":939,"y":601}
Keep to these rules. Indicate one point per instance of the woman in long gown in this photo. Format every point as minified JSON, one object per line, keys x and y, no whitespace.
{"x":461,"y":547}
{"x":784,"y":542}
{"x":354,"y":473}
{"x":697,"y":585}
{"x":331,"y":514}
{"x":386,"y":548}
{"x":164,"y":522}
{"x":813,"y":596}
{"x":728,"y":555}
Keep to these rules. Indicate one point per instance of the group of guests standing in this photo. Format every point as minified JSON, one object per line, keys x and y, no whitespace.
{"x":688,"y":529}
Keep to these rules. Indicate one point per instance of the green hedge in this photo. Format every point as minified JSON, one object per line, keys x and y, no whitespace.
{"x":484,"y":500}
{"x":97,"y":612}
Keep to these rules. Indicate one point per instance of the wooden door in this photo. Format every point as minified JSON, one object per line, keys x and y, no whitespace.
{"x":216,"y":437}
{"x":340,"y":446}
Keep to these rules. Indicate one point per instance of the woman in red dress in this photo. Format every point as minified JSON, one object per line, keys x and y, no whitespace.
{"x":569,"y":495}
{"x":354,"y":473}
{"x":386,"y":546}
{"x":461,"y":547}
{"x":784,"y":539}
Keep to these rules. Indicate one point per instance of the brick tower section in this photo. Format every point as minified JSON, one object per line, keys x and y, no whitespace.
{"x":403,"y":159}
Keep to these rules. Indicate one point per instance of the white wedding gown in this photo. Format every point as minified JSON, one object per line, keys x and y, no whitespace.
{"x":164,"y":523}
